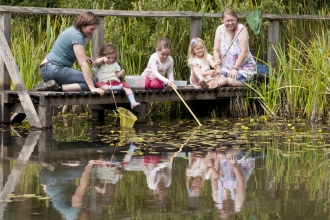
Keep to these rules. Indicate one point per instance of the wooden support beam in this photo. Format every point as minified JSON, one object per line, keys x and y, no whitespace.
{"x":17,"y":80}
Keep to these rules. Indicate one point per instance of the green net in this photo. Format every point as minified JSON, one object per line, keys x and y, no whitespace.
{"x":254,"y":19}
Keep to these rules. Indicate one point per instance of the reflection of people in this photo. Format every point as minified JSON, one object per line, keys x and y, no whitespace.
{"x":237,"y":62}
{"x":70,"y":200}
{"x":199,"y":62}
{"x":157,"y":170}
{"x":229,"y":182}
{"x":56,"y":69}
{"x":58,"y":184}
{"x":108,"y":72}
{"x":159,"y":177}
{"x":159,"y":63}
{"x":199,"y":170}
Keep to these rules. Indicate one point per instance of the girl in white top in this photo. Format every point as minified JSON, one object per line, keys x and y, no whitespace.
{"x":108,"y":72}
{"x":159,"y":63}
{"x":199,"y":62}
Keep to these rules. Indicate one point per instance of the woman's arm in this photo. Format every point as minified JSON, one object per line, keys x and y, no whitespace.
{"x":83,"y":61}
{"x":216,"y":48}
{"x":214,"y":180}
{"x":80,"y":191}
{"x":240,"y":190}
{"x":243,"y":39}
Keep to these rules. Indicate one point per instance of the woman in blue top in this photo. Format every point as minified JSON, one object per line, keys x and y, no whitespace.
{"x":56,"y":69}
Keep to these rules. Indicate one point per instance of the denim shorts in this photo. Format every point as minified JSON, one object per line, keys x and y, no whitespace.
{"x":240,"y":77}
{"x":64,"y":75}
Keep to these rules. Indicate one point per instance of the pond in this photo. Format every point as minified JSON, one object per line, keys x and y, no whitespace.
{"x":248,"y":168}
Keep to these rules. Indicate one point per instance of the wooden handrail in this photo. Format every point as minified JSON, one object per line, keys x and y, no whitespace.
{"x":163,"y":14}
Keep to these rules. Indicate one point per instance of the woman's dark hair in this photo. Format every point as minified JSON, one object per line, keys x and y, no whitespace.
{"x":85,"y":19}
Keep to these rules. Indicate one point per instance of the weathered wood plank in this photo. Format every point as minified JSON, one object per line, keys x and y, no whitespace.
{"x":17,"y":80}
{"x":82,"y":98}
{"x":165,"y":14}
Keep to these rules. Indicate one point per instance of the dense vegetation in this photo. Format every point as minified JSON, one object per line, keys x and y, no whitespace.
{"x":297,"y":86}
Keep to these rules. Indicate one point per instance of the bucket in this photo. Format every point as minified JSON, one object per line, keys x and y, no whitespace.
{"x":127,"y":118}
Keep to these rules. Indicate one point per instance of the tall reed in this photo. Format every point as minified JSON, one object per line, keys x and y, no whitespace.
{"x":288,"y":93}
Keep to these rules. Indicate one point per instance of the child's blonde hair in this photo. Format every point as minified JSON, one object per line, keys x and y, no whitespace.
{"x":107,"y":49}
{"x":164,"y":43}
{"x":191,"y":55}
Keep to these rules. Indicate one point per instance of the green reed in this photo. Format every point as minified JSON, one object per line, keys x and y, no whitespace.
{"x":288,"y":93}
{"x":298,"y":83}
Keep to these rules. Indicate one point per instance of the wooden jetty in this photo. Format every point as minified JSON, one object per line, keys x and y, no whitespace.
{"x":39,"y":107}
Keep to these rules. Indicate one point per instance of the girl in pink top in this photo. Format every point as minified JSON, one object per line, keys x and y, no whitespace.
{"x":159,"y":63}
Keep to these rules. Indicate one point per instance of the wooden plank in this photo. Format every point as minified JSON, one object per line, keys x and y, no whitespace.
{"x":164,"y":14}
{"x":17,"y":80}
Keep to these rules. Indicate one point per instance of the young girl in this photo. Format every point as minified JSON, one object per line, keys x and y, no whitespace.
{"x":199,"y":62}
{"x":108,"y":72}
{"x":159,"y":63}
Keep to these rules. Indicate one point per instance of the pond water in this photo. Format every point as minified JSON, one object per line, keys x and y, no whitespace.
{"x":226,"y":169}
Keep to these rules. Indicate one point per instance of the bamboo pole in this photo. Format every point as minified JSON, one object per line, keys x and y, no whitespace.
{"x":186,"y":105}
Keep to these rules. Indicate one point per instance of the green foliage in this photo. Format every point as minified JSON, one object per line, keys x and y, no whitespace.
{"x":302,"y":43}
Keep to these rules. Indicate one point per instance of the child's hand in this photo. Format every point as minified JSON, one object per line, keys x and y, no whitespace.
{"x":121,"y":73}
{"x":170,"y":83}
{"x":105,"y":60}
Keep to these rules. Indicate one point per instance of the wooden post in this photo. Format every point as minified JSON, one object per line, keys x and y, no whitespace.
{"x":98,"y":38}
{"x":273,"y":40}
{"x":141,"y":111}
{"x":195,"y":27}
{"x":5,"y":25}
{"x":45,"y":115}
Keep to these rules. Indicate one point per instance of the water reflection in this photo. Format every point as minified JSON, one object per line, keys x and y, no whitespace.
{"x":176,"y":172}
{"x":232,"y":169}
{"x":158,"y":174}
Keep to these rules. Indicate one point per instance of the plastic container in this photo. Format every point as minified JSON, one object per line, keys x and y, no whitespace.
{"x":127,"y":118}
{"x":180,"y":83}
{"x":136,"y":81}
